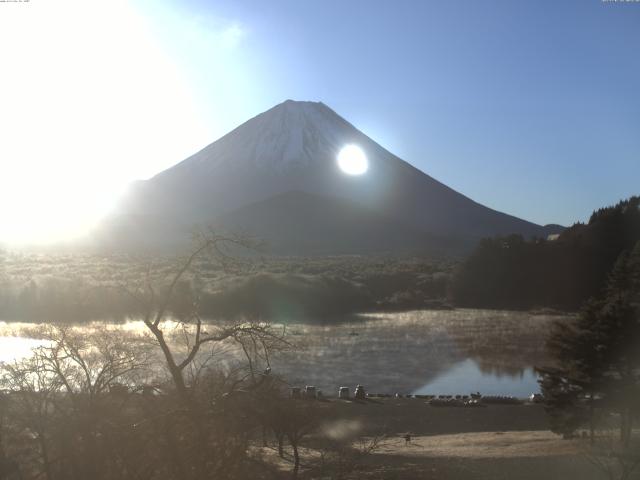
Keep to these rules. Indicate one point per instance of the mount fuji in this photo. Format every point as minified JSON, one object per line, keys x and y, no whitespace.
{"x":276,"y":177}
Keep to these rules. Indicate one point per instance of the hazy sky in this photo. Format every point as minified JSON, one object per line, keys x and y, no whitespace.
{"x":531,"y":107}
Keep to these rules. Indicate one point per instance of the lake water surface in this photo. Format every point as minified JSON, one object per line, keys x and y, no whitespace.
{"x":467,"y":376}
{"x":429,"y":352}
{"x":426,"y":352}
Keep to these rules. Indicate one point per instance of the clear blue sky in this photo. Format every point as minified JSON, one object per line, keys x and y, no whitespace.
{"x":528,"y":106}
{"x":531,"y":107}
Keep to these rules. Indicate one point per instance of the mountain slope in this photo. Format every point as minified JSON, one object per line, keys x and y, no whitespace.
{"x":293,"y":147}
{"x":299,"y":223}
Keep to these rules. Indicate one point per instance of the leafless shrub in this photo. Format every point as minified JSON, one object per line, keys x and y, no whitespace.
{"x":66,"y":400}
{"x":613,"y":459}
{"x":343,"y":459}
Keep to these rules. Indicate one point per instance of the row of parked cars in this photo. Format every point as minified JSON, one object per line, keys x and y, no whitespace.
{"x":311,"y":392}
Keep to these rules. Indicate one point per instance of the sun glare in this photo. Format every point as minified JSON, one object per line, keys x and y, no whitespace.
{"x":352,"y":160}
{"x":90,"y":102}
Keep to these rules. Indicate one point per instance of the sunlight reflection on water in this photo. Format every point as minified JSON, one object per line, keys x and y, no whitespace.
{"x":15,"y":348}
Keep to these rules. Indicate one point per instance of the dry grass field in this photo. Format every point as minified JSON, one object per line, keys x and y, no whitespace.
{"x":508,"y":442}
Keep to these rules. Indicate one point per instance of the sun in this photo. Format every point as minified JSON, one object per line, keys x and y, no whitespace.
{"x":79,"y":119}
{"x":352,"y":160}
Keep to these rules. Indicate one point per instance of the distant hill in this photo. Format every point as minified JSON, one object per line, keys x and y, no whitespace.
{"x":293,"y":148}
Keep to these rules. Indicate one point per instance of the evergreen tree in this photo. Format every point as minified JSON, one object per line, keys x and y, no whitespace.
{"x":598,"y":356}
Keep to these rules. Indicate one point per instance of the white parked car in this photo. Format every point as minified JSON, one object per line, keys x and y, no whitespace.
{"x":310,"y":392}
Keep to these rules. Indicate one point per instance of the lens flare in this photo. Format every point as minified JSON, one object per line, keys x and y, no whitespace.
{"x":352,"y":160}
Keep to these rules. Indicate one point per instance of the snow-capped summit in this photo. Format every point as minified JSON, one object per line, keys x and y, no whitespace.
{"x":293,"y":147}
{"x":292,"y":134}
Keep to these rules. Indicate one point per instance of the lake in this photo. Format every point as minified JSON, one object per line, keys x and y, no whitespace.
{"x":427,"y":352}
{"x":467,"y":376}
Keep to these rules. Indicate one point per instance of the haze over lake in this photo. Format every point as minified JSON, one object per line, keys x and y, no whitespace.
{"x":426,"y":352}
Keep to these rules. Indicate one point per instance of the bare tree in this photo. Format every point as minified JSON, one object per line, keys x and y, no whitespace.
{"x":61,"y":397}
{"x":76,"y":400}
{"x":613,"y":459}
{"x":159,"y":298}
{"x":169,"y":308}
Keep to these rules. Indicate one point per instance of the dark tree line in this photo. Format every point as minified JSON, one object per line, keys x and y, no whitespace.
{"x":597,"y":356}
{"x":511,"y":272}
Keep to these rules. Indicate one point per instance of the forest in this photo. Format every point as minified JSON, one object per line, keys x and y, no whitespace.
{"x":515,"y":273}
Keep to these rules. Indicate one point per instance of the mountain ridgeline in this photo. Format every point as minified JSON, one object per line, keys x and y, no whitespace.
{"x":276,"y":177}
